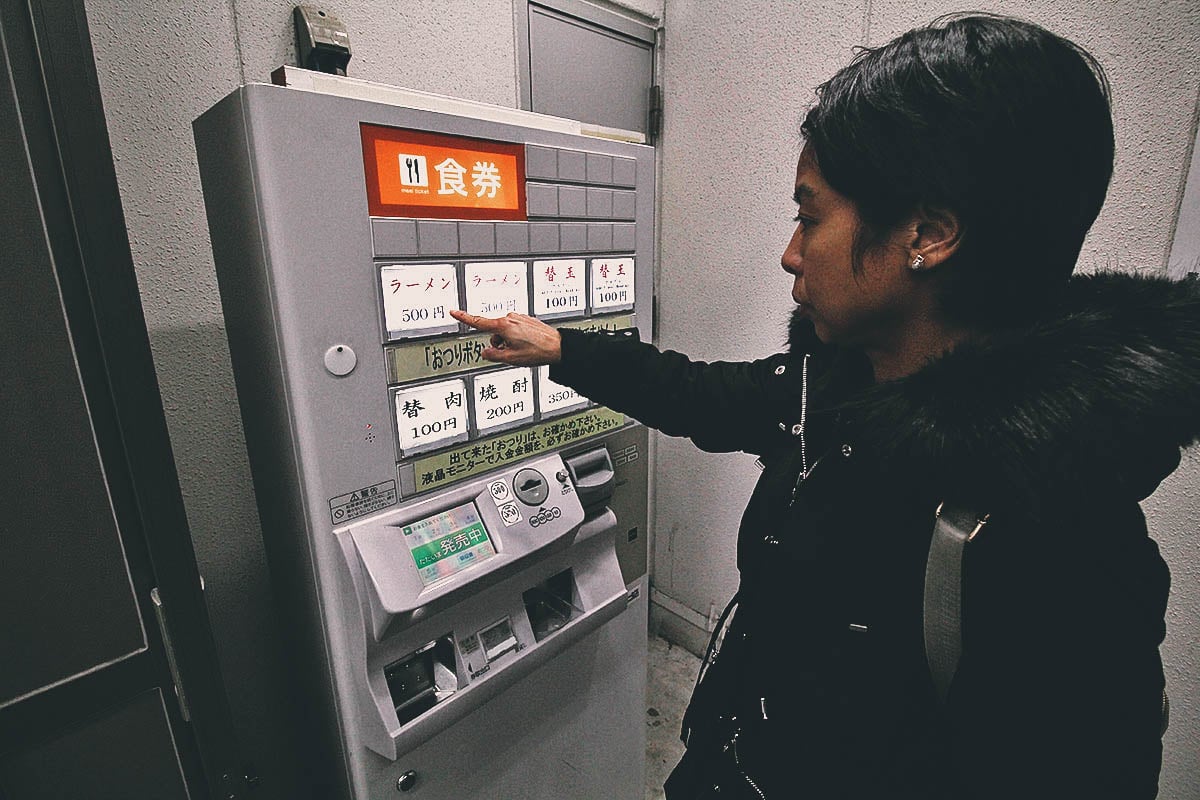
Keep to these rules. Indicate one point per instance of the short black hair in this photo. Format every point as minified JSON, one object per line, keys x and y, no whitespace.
{"x":994,"y":118}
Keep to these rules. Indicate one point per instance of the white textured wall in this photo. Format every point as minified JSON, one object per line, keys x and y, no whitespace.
{"x":738,"y":77}
{"x":736,"y":80}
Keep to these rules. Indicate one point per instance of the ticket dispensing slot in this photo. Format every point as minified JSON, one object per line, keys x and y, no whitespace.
{"x":423,"y":679}
{"x":550,"y":604}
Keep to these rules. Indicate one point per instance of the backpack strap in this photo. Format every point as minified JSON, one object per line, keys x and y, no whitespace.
{"x":953,"y":528}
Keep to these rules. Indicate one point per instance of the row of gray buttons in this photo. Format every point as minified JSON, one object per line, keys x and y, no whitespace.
{"x":556,"y":164}
{"x":435,"y":237}
{"x":548,"y":200}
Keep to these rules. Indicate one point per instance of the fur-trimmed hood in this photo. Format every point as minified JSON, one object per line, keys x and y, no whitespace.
{"x":1100,"y":395}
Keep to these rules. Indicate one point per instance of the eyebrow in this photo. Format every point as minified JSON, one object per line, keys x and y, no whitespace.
{"x":803,"y":192}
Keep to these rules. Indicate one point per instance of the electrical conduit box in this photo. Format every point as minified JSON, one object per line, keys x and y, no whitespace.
{"x":460,"y":544}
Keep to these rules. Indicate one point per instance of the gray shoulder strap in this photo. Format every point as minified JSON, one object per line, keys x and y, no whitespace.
{"x":943,"y":594}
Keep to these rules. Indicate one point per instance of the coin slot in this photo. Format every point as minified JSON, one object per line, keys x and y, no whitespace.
{"x":530,"y":487}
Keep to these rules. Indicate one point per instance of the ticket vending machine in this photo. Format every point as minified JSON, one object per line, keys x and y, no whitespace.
{"x":461,"y":546}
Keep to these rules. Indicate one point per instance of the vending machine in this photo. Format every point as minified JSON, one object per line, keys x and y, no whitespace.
{"x":459,"y":546}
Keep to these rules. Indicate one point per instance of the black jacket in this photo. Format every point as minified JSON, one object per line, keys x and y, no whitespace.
{"x":1057,"y":430}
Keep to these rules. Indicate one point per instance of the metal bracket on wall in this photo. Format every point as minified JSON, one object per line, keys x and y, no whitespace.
{"x":322,"y":42}
{"x":160,"y":615}
{"x":654,"y":123}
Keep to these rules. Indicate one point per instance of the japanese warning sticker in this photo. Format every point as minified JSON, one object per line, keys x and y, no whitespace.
{"x":361,"y":502}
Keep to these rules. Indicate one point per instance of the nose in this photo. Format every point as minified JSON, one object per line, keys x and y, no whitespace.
{"x":790,"y":260}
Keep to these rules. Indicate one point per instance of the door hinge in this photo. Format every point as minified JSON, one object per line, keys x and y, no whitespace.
{"x":654,"y":124}
{"x":160,"y":615}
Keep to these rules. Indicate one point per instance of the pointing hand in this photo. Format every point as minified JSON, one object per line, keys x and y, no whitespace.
{"x":517,"y":339}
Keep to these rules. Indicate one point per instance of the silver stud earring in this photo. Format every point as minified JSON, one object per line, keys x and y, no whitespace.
{"x":917,"y":262}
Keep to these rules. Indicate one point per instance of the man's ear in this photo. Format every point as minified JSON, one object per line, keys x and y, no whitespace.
{"x":936,"y":234}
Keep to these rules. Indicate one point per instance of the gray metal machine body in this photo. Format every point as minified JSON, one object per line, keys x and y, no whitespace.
{"x":467,"y":586}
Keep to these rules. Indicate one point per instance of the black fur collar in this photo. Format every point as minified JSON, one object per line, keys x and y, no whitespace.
{"x":1098,"y":396}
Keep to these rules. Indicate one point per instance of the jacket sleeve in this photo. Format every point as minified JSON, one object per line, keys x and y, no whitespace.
{"x":720,"y":406}
{"x":1059,"y":691}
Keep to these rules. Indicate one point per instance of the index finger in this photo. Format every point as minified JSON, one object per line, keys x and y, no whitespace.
{"x":479,"y":323}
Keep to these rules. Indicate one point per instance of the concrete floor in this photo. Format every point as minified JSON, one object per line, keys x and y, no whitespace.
{"x":672,"y":676}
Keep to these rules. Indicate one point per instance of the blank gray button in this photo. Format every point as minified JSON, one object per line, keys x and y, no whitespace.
{"x":624,"y":205}
{"x":476,"y":238}
{"x":542,"y":200}
{"x":572,"y":201}
{"x":573,"y":235}
{"x":624,"y":172}
{"x":541,"y":162}
{"x":543,"y":237}
{"x":599,"y":203}
{"x":624,"y":236}
{"x":599,"y":236}
{"x":599,"y":168}
{"x":436,"y":238}
{"x":572,"y":166}
{"x":513,"y":237}
{"x":394,"y":237}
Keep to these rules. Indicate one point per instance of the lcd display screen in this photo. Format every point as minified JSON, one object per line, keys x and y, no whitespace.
{"x":447,"y":543}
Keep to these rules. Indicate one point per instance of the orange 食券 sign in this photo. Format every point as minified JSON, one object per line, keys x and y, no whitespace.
{"x":420,"y":174}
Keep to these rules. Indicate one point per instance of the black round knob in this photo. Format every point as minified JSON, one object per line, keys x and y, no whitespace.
{"x":407,"y":781}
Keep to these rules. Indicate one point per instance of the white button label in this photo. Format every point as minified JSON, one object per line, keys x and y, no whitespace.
{"x":554,"y":396}
{"x":431,"y":414}
{"x":510,"y":514}
{"x":418,"y":298}
{"x":503,"y":397}
{"x":499,"y":491}
{"x":612,"y":283}
{"x":558,"y":287}
{"x":495,"y":288}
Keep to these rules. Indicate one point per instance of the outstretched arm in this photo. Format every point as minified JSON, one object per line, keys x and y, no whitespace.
{"x":722,"y":406}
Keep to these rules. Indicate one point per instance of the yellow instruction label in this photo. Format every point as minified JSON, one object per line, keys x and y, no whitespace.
{"x":414,"y":361}
{"x":465,"y":461}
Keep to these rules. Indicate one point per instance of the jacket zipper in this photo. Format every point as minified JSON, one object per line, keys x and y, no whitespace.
{"x":805,"y":470}
{"x":738,"y":761}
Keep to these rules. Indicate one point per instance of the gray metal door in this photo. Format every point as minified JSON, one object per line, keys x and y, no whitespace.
{"x":583,"y":62}
{"x":92,"y":515}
